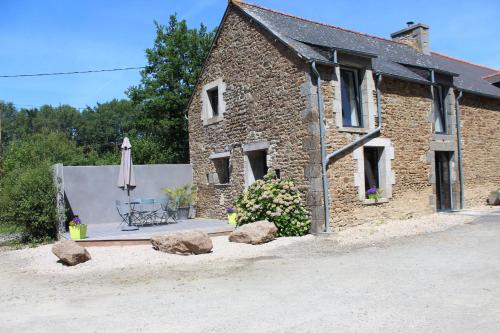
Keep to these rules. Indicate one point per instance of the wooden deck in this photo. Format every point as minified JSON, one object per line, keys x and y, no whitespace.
{"x":110,"y":234}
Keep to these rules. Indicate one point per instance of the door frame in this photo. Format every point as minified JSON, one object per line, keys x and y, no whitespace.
{"x":439,"y":180}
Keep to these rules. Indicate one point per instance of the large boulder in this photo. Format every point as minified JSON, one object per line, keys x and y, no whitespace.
{"x":70,"y":253}
{"x":185,"y":243}
{"x":254,"y":233}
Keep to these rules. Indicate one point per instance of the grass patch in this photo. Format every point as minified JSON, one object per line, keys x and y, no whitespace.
{"x":6,"y":229}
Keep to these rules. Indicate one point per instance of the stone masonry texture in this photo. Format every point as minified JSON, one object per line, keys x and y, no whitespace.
{"x":270,"y":96}
{"x":266,"y":100}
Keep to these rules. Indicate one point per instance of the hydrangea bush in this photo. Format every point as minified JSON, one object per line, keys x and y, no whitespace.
{"x":275,"y":200}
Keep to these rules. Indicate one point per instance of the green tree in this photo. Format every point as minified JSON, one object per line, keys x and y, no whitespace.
{"x":174,"y":63}
{"x":62,"y":119}
{"x":103,"y":127}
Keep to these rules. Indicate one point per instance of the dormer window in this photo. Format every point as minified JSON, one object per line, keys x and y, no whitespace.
{"x":439,"y":109}
{"x":351,"y":102}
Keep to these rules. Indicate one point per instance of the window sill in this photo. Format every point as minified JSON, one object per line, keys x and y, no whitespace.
{"x":213,"y":120}
{"x":369,"y":202}
{"x":222,"y":185}
{"x":360,"y":130}
{"x":443,"y":136}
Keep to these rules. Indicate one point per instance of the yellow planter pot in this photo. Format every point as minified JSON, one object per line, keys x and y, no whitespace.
{"x":78,"y":231}
{"x":231,"y":218}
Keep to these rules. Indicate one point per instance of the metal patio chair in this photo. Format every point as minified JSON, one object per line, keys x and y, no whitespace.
{"x":124,"y":213}
{"x":148,"y":211}
{"x":169,"y":209}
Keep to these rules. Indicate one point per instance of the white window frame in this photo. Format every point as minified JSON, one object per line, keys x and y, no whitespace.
{"x":366,"y":93}
{"x":247,"y":168}
{"x":356,"y":90}
{"x":207,"y":114}
{"x":386,"y":175}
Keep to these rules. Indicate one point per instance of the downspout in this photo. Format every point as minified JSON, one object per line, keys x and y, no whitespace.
{"x":325,"y":159}
{"x":367,"y":135}
{"x":326,"y":209}
{"x":459,"y":147}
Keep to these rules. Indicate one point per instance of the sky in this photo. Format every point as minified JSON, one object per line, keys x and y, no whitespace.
{"x":75,"y":35}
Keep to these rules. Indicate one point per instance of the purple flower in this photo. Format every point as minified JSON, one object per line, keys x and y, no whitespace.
{"x":371,"y":190}
{"x":229,"y":210}
{"x":76,"y":220}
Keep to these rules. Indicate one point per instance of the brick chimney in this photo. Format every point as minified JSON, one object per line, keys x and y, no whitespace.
{"x":415,"y":35}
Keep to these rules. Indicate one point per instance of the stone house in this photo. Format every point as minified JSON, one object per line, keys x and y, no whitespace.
{"x":421,"y":127}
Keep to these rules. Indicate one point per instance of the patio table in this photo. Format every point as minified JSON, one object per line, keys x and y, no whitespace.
{"x":146,"y":211}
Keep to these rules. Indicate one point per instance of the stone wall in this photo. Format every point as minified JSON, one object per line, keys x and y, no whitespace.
{"x":481,"y":147}
{"x":266,"y":97}
{"x":405,"y":113}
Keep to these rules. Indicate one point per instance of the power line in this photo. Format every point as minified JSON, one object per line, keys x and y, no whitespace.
{"x":30,"y":106}
{"x":74,"y":72}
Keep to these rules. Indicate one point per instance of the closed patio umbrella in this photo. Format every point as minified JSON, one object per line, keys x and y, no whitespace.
{"x":126,"y":178}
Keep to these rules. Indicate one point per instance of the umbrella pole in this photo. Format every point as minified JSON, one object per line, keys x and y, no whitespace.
{"x":129,"y":208}
{"x":129,"y":227}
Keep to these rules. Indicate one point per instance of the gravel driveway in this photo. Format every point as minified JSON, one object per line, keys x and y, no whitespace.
{"x":361,"y":280}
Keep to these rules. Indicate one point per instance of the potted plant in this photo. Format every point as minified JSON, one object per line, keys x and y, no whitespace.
{"x":186,"y":194}
{"x":374,"y":193}
{"x":77,"y":230}
{"x":231,"y":215}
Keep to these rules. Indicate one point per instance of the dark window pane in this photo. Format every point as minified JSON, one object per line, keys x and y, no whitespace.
{"x":222,"y":169}
{"x":372,"y":158}
{"x":213,"y":96}
{"x":351,"y":112}
{"x":443,"y":180}
{"x":440,"y":111}
{"x":258,"y":163}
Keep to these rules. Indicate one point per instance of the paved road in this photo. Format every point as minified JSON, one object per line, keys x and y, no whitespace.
{"x":442,"y":282}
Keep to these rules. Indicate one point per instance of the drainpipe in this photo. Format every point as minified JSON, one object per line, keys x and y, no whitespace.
{"x":459,"y":147}
{"x":367,"y":135}
{"x":326,"y":210}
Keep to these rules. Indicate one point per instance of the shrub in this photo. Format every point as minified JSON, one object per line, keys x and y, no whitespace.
{"x":28,"y":202}
{"x":277,"y":201}
{"x":27,"y":191}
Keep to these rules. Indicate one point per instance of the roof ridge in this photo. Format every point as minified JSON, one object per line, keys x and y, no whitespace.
{"x":463,"y":61}
{"x":244,"y":3}
{"x":491,"y":75}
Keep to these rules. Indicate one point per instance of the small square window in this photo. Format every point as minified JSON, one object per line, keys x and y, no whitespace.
{"x":213,"y":98}
{"x":256,"y":166}
{"x":222,"y":168}
{"x":351,"y":104}
{"x":213,"y":105}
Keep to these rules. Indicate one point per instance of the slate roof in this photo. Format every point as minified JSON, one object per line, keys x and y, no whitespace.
{"x":390,"y":58}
